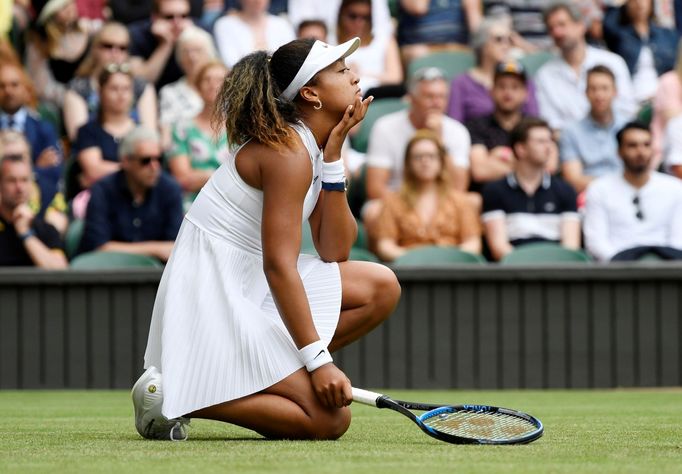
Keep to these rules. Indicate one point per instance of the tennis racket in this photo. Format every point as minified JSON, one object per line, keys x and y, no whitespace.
{"x":461,"y":424}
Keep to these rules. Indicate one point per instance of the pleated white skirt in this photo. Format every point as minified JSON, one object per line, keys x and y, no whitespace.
{"x":216,"y":334}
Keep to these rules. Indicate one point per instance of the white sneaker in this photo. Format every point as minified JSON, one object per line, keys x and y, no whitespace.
{"x":147,"y":400}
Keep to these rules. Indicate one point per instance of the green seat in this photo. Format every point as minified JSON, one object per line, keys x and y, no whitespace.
{"x":437,"y":256}
{"x":544,"y":253}
{"x":50,"y":112}
{"x":534,"y":61}
{"x":362,"y":255}
{"x":101,"y":260}
{"x":307,"y":244}
{"x":73,"y":235}
{"x":452,"y":63}
{"x":376,"y":109}
{"x":361,"y":239}
{"x":646,"y":114}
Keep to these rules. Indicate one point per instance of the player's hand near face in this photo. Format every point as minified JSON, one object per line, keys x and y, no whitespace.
{"x":353,"y":115}
{"x":331,"y":386}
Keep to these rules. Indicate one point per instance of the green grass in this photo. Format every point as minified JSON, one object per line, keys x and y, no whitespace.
{"x":617,"y":431}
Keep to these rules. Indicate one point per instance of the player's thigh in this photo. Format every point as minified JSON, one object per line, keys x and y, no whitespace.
{"x":367,"y":282}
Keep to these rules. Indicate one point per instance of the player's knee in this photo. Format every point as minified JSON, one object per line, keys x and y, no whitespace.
{"x":333,"y":426}
{"x":386,"y":291}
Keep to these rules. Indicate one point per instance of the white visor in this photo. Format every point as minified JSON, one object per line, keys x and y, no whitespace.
{"x":320,"y":56}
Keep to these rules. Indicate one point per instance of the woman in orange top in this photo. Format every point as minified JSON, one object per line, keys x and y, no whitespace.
{"x":426,"y":210}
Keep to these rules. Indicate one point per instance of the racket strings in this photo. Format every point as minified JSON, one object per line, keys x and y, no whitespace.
{"x":481,"y":425}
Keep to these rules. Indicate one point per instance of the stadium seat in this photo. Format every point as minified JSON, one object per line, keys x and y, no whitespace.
{"x":452,"y":63}
{"x":534,"y":61}
{"x":73,"y":235}
{"x":101,"y":260}
{"x":437,"y":256}
{"x":376,"y":109}
{"x":544,"y":253}
{"x":361,"y":240}
{"x":362,"y":255}
{"x":307,"y":244}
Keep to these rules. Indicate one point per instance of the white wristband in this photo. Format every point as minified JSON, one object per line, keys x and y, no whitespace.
{"x":315,"y":355}
{"x":333,"y":172}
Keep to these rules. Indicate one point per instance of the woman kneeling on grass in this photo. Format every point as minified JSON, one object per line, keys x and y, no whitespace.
{"x":243,"y":325}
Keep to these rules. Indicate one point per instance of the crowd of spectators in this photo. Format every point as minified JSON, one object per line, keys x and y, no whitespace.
{"x":106,"y":108}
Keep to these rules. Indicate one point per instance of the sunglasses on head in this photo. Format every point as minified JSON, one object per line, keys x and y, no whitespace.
{"x":501,"y":39}
{"x":111,"y":46}
{"x":147,"y":160}
{"x":428,"y":74}
{"x":113,"y":68}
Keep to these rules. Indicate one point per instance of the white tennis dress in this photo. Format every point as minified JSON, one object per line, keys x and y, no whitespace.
{"x":216,"y":334}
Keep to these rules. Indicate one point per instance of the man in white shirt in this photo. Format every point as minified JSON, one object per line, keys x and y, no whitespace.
{"x":428,"y":93}
{"x":561,"y":82}
{"x":637,"y":212}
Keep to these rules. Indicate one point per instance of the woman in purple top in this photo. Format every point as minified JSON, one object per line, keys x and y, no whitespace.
{"x":470,"y":92}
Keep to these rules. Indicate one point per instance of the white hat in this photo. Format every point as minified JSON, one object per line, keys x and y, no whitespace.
{"x":320,"y":56}
{"x":50,"y":8}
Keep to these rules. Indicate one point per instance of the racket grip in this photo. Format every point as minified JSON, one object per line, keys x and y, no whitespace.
{"x":365,"y":397}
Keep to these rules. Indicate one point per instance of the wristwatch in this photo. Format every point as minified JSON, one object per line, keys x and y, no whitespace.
{"x":342,"y":186}
{"x":26,"y":235}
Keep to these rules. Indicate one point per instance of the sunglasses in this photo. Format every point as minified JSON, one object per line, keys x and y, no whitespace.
{"x":13,"y":157}
{"x":356,"y":16}
{"x":112,"y":46}
{"x":175,"y":16}
{"x":147,"y":160}
{"x":638,"y":209}
{"x":428,"y":74}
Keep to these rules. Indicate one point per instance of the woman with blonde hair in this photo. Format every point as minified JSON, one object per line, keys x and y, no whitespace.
{"x":81,"y":101}
{"x":56,"y":48}
{"x":426,"y":210}
{"x":197,"y":150}
{"x":244,"y":324}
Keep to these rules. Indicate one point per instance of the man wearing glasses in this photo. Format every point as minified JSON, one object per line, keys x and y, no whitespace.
{"x":154,"y":40}
{"x":635,"y":213}
{"x":137,"y":209}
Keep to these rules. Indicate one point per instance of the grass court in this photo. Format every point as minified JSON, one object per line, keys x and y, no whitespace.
{"x":596,"y":431}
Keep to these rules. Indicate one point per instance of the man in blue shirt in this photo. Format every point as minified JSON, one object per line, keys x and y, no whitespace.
{"x":137,"y":209}
{"x":15,"y":115}
{"x":588,"y":147}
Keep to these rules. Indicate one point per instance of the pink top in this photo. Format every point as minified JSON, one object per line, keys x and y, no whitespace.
{"x":667,"y":104}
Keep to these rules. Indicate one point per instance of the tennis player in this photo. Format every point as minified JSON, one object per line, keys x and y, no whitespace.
{"x":243,"y":326}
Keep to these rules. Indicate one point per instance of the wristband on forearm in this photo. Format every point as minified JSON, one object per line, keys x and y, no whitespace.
{"x":333,"y":172}
{"x":26,"y":235}
{"x":315,"y":355}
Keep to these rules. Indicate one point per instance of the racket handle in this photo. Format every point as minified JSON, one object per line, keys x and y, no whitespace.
{"x":365,"y":397}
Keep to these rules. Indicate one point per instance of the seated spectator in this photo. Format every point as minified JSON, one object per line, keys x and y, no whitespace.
{"x":17,"y":114}
{"x":529,"y":32}
{"x":196,"y":151}
{"x":648,"y":49}
{"x":138,"y":209}
{"x":328,"y":10}
{"x":377,"y":60}
{"x":25,"y":239}
{"x":667,"y":104}
{"x":673,"y":139}
{"x":96,"y":146}
{"x":588,"y":146}
{"x":56,"y":48}
{"x":561,"y":81}
{"x":81,"y":101}
{"x":470,"y":92}
{"x":45,"y":201}
{"x":250,"y":29}
{"x":636,"y":212}
{"x":428,"y":93}
{"x":425,"y":26}
{"x":153,"y":41}
{"x":315,"y":29}
{"x":530,"y":205}
{"x":180,"y":100}
{"x":426,"y":210}
{"x":491,"y":155}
